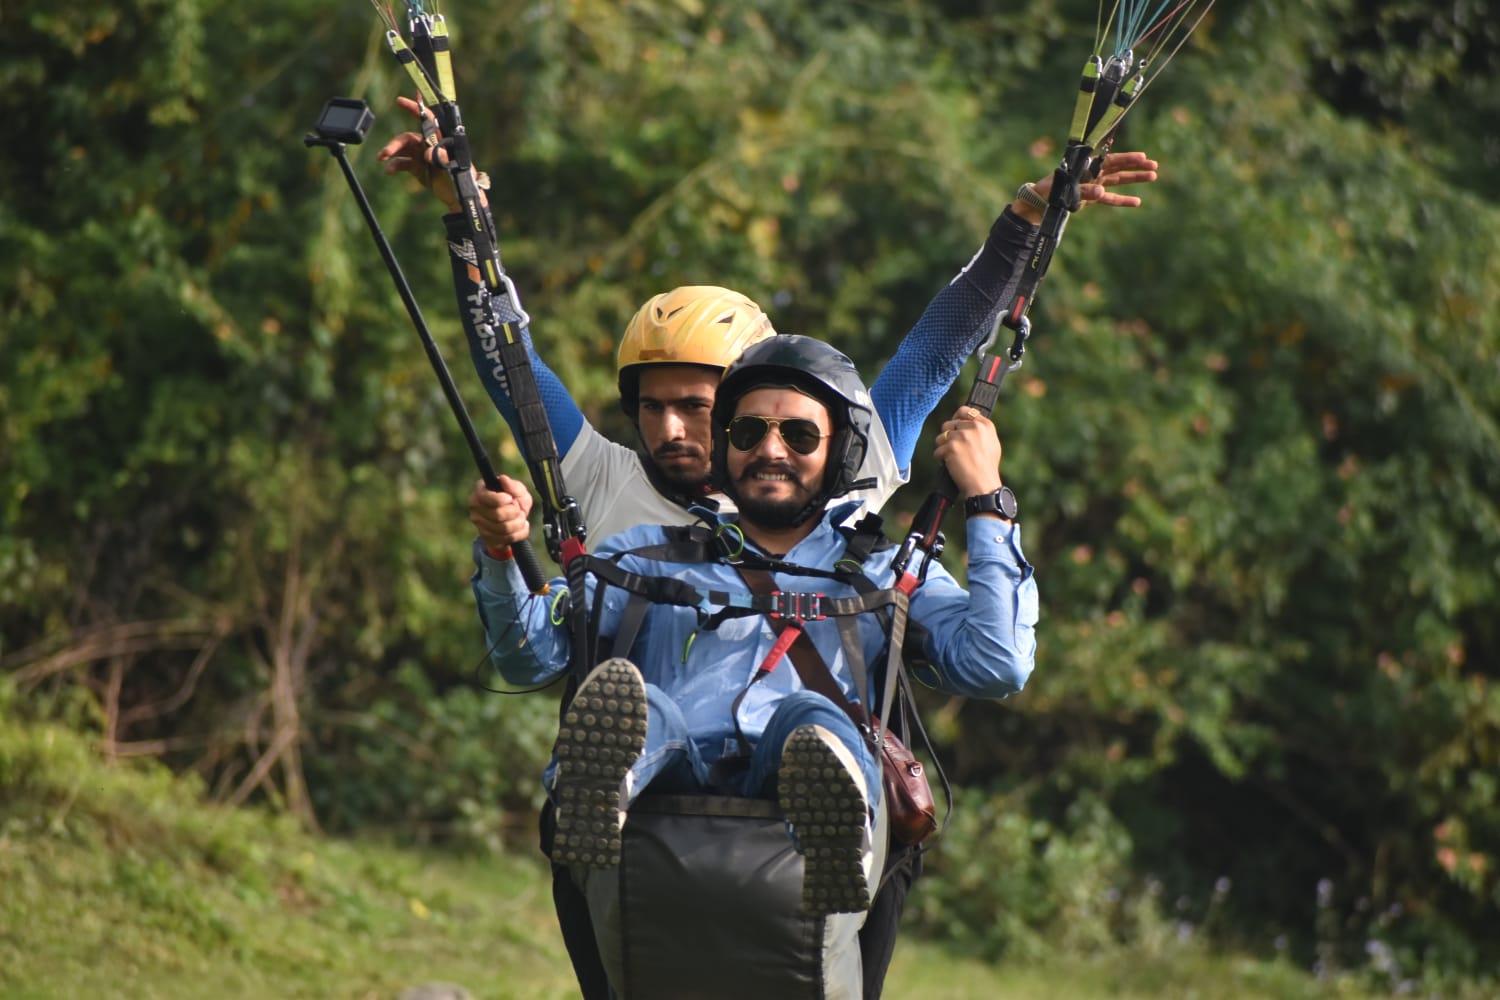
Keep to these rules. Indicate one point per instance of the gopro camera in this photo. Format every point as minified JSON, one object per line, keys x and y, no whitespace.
{"x":345,"y":119}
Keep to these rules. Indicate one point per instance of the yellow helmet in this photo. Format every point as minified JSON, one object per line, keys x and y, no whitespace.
{"x":692,"y":325}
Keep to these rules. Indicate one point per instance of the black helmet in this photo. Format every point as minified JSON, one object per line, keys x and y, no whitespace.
{"x":821,"y":371}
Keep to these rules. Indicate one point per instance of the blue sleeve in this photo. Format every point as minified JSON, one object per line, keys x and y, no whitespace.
{"x":952,"y":327}
{"x":982,"y":641}
{"x":563,"y":414}
{"x":529,"y":641}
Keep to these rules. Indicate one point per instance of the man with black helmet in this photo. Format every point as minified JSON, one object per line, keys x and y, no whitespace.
{"x":791,"y":422}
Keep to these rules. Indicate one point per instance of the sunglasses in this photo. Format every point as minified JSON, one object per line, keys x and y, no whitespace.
{"x":800,"y":435}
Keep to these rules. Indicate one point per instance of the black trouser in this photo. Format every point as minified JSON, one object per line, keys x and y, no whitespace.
{"x":877,"y":938}
{"x":574,"y":920}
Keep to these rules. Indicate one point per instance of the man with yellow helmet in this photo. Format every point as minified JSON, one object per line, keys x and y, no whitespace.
{"x":670,"y":360}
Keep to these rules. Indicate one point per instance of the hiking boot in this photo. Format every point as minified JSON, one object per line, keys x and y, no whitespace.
{"x":603,"y":733}
{"x":822,"y":795}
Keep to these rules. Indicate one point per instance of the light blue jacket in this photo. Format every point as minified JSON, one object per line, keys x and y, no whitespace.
{"x":981,"y":641}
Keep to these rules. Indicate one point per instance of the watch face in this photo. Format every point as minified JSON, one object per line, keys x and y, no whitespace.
{"x":1005,"y":502}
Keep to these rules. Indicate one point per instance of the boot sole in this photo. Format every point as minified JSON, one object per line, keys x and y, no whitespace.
{"x":826,"y":808}
{"x":602,"y":735}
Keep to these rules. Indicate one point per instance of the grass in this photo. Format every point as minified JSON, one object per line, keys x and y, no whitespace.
{"x":335,"y":920}
{"x":117,"y":882}
{"x":928,"y":971}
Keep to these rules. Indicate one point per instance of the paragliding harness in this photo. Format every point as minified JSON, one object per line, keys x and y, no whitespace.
{"x":661,"y":929}
{"x":908,"y":795}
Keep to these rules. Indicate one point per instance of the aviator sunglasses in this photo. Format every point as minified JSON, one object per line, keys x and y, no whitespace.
{"x":801,"y":435}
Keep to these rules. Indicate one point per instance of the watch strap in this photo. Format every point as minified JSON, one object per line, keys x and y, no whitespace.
{"x":1001,"y":501}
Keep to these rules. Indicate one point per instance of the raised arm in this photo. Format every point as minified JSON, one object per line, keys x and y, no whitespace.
{"x":982,"y":641}
{"x":563,"y":414}
{"x":962,"y":315}
{"x":407,"y":153}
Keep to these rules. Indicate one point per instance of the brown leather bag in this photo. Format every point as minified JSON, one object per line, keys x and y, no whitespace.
{"x":908,"y":796}
{"x":909,"y":806}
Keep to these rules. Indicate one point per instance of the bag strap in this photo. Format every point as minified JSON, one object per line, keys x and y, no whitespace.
{"x":816,"y":676}
{"x":805,"y":657}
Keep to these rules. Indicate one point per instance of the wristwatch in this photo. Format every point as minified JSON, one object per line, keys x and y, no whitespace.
{"x":1002,"y":502}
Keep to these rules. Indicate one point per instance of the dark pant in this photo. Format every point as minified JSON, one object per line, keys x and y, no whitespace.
{"x":574,"y":920}
{"x":877,"y":938}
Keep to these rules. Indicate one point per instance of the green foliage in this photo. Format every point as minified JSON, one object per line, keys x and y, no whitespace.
{"x":1257,"y":437}
{"x":455,"y":766}
{"x":241,"y":900}
{"x":1004,"y":883}
{"x":118,"y":874}
{"x":1422,"y":68}
{"x":54,"y":785}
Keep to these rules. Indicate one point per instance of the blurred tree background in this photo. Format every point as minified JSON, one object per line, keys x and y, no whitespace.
{"x":1257,"y":436}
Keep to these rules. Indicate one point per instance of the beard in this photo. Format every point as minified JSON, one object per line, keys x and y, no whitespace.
{"x":773,"y":514}
{"x":685,"y":480}
{"x":686,"y":483}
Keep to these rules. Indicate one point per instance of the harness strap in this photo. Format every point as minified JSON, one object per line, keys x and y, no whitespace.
{"x":854,"y":652}
{"x":656,"y":589}
{"x":790,"y":639}
{"x":786,"y":610}
{"x":798,"y":606}
{"x":630,"y":626}
{"x":793,"y":642}
{"x":893,"y":714}
{"x":863,"y":540}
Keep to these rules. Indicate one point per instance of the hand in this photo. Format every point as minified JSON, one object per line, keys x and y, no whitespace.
{"x":502,"y":518}
{"x":1116,"y":170}
{"x":410,"y":153}
{"x":969,"y":446}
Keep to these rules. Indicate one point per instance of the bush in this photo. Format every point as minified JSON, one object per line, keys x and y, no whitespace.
{"x":459,"y":766}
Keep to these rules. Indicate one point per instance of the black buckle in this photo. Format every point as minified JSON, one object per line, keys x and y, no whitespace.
{"x":930,"y":554}
{"x":798,"y":607}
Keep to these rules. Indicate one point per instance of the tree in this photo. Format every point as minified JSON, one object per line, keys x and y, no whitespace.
{"x":1255,"y":438}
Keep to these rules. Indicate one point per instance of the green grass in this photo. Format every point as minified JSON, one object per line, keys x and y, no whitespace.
{"x":339,"y":920}
{"x":364,"y":921}
{"x":118,"y":882}
{"x":926,"y":970}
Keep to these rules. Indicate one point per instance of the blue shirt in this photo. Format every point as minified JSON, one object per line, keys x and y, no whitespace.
{"x":980,"y":641}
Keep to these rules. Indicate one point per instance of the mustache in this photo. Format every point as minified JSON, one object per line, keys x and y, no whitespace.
{"x":758,"y":466}
{"x":677,"y":449}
